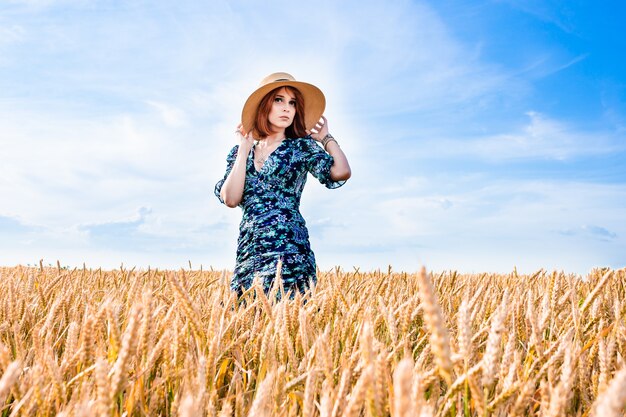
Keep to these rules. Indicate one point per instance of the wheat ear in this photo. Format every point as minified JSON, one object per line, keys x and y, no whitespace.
{"x":129,"y":344}
{"x":262,"y":404}
{"x":103,"y":402}
{"x":433,"y":316}
{"x":594,"y":293}
{"x":613,"y":400}
{"x":403,"y":388}
{"x":9,"y":378}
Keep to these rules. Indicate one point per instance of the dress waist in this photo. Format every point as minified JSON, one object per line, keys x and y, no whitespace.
{"x":271,"y":218}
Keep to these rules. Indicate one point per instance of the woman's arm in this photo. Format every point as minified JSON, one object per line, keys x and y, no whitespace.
{"x":232,"y":190}
{"x":340,"y":170}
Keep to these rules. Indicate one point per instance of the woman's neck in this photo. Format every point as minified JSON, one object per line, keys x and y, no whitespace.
{"x":273,"y":138}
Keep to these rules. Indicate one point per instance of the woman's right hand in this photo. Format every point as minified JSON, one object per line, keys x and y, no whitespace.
{"x":246,"y":141}
{"x":232,"y":188}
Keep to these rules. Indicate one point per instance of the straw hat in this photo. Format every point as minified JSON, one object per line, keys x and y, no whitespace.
{"x":314,"y":101}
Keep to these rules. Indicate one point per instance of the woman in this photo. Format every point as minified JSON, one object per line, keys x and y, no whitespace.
{"x":281,"y":127}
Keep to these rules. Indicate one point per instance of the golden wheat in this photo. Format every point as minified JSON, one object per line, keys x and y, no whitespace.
{"x":88,"y":342}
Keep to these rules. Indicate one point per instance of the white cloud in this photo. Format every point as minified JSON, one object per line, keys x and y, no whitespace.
{"x":546,"y":138}
{"x":11,"y":34}
{"x":541,"y":138}
{"x":403,"y":59}
{"x":492,"y":224}
{"x":559,"y":16}
{"x":135,"y":107}
{"x":172,"y":116}
{"x":591,"y":232}
{"x":42,"y":4}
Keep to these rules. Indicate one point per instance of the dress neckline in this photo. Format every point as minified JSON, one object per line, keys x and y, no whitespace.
{"x":268,"y":156}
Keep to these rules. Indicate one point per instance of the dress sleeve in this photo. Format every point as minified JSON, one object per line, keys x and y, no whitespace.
{"x":318,"y":163}
{"x":230,"y":161}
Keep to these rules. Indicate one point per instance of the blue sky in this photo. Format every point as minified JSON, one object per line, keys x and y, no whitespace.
{"x":483,"y":135}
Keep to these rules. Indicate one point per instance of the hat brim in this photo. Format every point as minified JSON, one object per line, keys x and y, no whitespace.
{"x":314,"y":102}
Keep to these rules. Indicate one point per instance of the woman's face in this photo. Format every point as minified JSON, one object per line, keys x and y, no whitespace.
{"x":283,"y":110}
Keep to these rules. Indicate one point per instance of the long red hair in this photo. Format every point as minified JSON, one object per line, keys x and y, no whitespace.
{"x":262,"y":127}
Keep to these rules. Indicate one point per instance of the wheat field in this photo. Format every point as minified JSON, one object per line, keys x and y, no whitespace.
{"x":88,"y":342}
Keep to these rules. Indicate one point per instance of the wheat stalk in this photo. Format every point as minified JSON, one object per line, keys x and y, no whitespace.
{"x":10,"y":376}
{"x":403,"y":388}
{"x":433,"y":316}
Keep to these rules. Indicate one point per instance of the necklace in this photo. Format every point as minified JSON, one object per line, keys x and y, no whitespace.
{"x":261,"y":157}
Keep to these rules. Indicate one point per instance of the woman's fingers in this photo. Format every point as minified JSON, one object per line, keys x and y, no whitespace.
{"x":320,"y":127}
{"x":321,"y":123}
{"x":240,"y":130}
{"x":324,"y":128}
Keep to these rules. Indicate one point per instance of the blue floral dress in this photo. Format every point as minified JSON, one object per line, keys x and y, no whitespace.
{"x":272,"y":227}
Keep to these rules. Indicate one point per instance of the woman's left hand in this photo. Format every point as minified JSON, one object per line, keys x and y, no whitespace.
{"x":319,"y":130}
